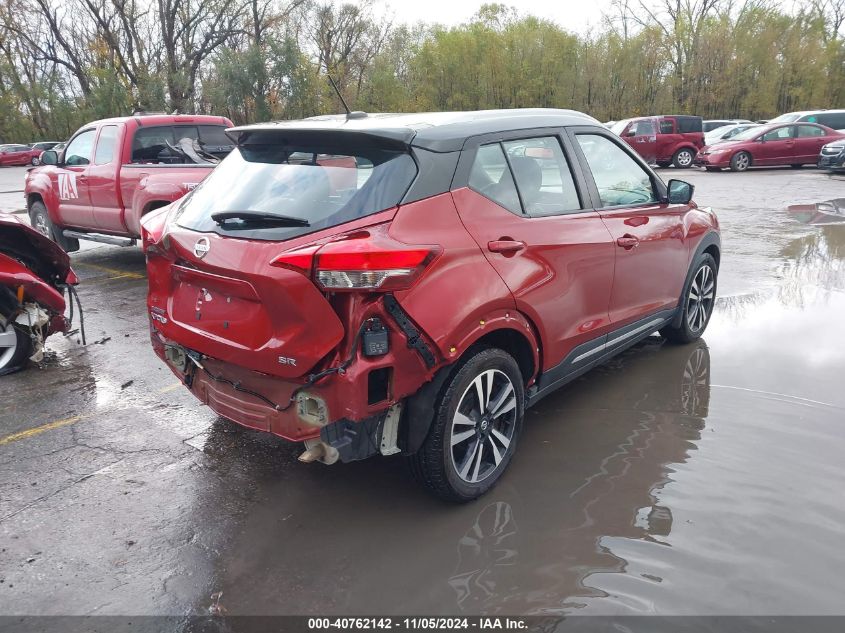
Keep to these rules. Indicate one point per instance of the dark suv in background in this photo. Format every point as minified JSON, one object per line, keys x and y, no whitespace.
{"x":663,"y":140}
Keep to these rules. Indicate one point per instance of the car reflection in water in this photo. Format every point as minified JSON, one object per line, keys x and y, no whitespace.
{"x":532,"y":550}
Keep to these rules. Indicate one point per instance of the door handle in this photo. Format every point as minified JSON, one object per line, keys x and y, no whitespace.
{"x":505,"y":246}
{"x":628,"y":241}
{"x":82,"y":177}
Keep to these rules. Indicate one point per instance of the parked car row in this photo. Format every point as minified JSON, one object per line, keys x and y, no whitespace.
{"x":795,"y":139}
{"x":20,"y":154}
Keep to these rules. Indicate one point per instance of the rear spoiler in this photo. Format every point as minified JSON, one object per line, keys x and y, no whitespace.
{"x":381,"y":138}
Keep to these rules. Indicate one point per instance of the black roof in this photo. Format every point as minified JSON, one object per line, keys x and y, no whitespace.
{"x":434,"y":131}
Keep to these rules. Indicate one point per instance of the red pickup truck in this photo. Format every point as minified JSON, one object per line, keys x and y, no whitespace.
{"x":113,"y":171}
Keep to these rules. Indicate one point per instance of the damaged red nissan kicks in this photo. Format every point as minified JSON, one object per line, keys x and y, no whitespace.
{"x":382,"y":284}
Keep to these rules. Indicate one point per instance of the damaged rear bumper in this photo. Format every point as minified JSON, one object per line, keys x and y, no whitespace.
{"x":335,"y":411}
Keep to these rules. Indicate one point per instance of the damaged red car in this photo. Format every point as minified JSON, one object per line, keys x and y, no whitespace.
{"x":35,"y":273}
{"x":411,"y":283}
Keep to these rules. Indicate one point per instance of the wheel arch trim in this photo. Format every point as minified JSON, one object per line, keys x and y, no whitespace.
{"x":711,"y":242}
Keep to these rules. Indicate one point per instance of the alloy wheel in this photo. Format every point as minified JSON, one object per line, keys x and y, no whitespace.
{"x":701,"y":297}
{"x":742,"y":162}
{"x":8,"y":344}
{"x":483,"y":426}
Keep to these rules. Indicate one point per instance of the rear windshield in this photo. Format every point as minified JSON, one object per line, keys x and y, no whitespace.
{"x":155,"y":144}
{"x":324,"y":186}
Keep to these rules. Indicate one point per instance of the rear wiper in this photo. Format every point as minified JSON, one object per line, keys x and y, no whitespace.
{"x":248,"y":219}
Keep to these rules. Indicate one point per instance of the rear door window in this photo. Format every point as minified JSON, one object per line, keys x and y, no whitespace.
{"x":619,"y":178}
{"x":667,"y":126}
{"x":542,"y":175}
{"x":320,"y":186}
{"x":805,"y":131}
{"x":491,"y":177}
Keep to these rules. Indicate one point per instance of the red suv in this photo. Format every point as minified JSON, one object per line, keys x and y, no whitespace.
{"x":411,"y":283}
{"x":664,"y":140}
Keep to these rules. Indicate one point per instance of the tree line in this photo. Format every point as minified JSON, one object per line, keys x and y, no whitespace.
{"x":65,"y":62}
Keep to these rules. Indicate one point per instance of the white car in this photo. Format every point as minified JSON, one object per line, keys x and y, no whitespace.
{"x":726,"y":132}
{"x":831,"y":118}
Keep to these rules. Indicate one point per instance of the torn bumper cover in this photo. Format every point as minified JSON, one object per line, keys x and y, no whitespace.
{"x":335,"y":409}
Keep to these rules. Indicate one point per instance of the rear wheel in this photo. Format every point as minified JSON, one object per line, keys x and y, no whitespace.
{"x":478,"y":419}
{"x":699,"y":299}
{"x":683,"y":158}
{"x":741,"y":161}
{"x":15,"y":348}
{"x":42,"y":223}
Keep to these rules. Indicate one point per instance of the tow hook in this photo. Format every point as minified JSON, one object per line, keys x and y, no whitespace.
{"x":318,"y":451}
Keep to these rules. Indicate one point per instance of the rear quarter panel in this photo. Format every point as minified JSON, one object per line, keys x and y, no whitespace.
{"x":460,"y":297}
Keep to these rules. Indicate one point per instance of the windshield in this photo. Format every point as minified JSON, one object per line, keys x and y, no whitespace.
{"x":717,"y":132}
{"x":619,"y":127}
{"x":323,"y":187}
{"x":786,"y":118}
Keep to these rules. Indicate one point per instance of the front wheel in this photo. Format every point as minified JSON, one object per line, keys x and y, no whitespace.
{"x":683,"y":158}
{"x":34,"y":161}
{"x":15,"y":348}
{"x":699,"y":299}
{"x":477,"y":423}
{"x":42,"y":223}
{"x":741,"y":161}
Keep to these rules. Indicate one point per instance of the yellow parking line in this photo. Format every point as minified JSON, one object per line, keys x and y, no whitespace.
{"x":14,"y":437}
{"x":116,"y":274}
{"x":57,"y":424}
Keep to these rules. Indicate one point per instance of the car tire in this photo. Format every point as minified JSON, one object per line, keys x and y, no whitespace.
{"x":698,"y":302}
{"x":740,"y":161}
{"x":683,"y":158}
{"x":34,"y":161}
{"x":15,"y":348}
{"x":42,"y":223}
{"x":466,"y":450}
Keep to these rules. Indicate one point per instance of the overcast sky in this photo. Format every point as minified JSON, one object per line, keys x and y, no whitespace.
{"x":574,"y":15}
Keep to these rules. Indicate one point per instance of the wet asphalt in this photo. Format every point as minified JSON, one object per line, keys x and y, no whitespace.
{"x":700,"y":479}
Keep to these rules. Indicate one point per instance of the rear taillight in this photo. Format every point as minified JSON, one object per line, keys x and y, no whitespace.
{"x":366,"y":260}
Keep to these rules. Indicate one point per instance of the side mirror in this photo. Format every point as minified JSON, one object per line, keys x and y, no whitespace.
{"x":49,"y":158}
{"x":679,"y":192}
{"x":631,"y":133}
{"x":761,"y":139}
